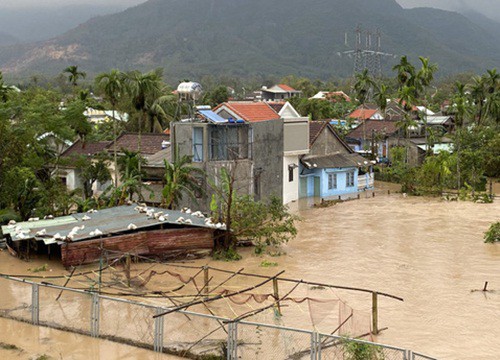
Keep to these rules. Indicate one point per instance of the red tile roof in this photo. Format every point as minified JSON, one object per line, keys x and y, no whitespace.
{"x":363,"y":114}
{"x":150,"y":143}
{"x":250,"y":111}
{"x":364,"y":130}
{"x":287,"y":88}
{"x":88,"y":148}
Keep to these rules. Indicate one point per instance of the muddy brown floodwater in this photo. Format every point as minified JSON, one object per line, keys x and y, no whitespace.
{"x":428,"y":251}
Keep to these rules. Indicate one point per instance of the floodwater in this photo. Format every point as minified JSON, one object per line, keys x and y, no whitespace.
{"x":428,"y":251}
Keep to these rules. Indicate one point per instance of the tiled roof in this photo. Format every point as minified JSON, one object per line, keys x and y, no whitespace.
{"x":87,"y":148}
{"x":250,"y":111}
{"x":276,"y":105}
{"x":315,"y":128}
{"x":363,"y":114}
{"x":150,"y":143}
{"x":364,"y":130}
{"x":287,"y":88}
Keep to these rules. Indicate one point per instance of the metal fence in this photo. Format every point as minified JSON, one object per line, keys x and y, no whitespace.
{"x":183,"y":333}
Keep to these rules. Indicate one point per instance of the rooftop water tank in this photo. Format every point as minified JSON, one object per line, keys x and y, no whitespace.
{"x":191,"y":90}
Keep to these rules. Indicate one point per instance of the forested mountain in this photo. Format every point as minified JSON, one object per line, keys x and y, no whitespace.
{"x":7,"y":39}
{"x":36,"y":23}
{"x":190,"y":38}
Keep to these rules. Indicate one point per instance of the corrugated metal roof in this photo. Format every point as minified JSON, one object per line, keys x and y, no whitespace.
{"x":333,"y":161}
{"x":28,"y":225}
{"x":437,"y":120}
{"x":108,"y":221}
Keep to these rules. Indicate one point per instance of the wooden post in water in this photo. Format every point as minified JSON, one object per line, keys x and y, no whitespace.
{"x":485,"y":286}
{"x":206,"y":280}
{"x":276,"y":294}
{"x":374,"y":313}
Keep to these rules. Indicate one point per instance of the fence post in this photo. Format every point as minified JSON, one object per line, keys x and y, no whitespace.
{"x":409,"y":356}
{"x":276,"y":295}
{"x":206,"y":280}
{"x":232,"y":341}
{"x":374,"y":313}
{"x":35,"y":304}
{"x":158,"y":331}
{"x":94,"y":316}
{"x":315,"y":346}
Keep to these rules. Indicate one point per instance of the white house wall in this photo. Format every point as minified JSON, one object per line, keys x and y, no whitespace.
{"x":290,"y":188}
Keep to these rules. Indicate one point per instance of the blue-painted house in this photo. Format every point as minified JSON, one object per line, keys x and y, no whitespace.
{"x":332,"y":168}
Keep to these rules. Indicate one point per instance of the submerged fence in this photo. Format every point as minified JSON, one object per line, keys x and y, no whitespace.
{"x":183,"y":333}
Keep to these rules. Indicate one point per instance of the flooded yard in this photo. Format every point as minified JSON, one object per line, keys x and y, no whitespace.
{"x":428,"y":251}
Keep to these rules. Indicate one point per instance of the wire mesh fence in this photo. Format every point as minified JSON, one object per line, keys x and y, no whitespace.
{"x":417,"y":356}
{"x":340,"y":348}
{"x":187,"y":334}
{"x":262,"y":341}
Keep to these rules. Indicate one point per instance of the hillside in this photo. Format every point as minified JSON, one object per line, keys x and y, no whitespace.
{"x":39,"y":22}
{"x":190,"y":38}
{"x":7,"y":39}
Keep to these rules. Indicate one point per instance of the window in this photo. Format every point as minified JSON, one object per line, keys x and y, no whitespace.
{"x":290,"y":173}
{"x":349,"y":179}
{"x":197,"y":144}
{"x":332,"y":181}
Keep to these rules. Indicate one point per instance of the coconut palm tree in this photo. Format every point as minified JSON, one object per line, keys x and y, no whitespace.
{"x":112,"y":84}
{"x":381,"y":95}
{"x":180,"y":178}
{"x":74,"y":74}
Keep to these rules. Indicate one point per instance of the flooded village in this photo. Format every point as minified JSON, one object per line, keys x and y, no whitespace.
{"x":231,"y":180}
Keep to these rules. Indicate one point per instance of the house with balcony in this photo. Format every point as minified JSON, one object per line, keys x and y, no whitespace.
{"x":295,"y":140}
{"x":278,"y":92}
{"x":250,"y":151}
{"x":332,"y":168}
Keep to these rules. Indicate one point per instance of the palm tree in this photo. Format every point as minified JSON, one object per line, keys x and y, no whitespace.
{"x":405,"y":72}
{"x":180,"y":178}
{"x":424,"y":78}
{"x":159,"y":113}
{"x":131,"y":176}
{"x":113,"y":86}
{"x":407,"y":99}
{"x":143,"y":90}
{"x":363,"y":86}
{"x":381,"y":95}
{"x":492,"y":80}
{"x":478,"y":93}
{"x":74,"y":75}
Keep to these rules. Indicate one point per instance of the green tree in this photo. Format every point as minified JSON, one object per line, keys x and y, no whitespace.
{"x":405,"y":72}
{"x":180,"y":178}
{"x":92,"y":171}
{"x":363,"y":86}
{"x":74,"y":74}
{"x":112,"y":85}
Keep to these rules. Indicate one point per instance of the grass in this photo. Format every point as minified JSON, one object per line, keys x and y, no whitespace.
{"x":267,"y":263}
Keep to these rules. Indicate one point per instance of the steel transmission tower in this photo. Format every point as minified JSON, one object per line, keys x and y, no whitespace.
{"x":367,"y":52}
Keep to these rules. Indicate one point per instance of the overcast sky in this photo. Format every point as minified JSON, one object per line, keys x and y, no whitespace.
{"x":487,"y":7}
{"x":41,"y":3}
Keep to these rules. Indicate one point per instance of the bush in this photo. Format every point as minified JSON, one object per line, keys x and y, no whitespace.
{"x":493,"y":233}
{"x":361,"y":351}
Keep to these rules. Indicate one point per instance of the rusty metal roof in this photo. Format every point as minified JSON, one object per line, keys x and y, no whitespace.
{"x":112,"y":221}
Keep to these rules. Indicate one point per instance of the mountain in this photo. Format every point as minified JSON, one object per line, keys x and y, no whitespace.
{"x":36,"y":23}
{"x":7,"y":39}
{"x":191,"y":38}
